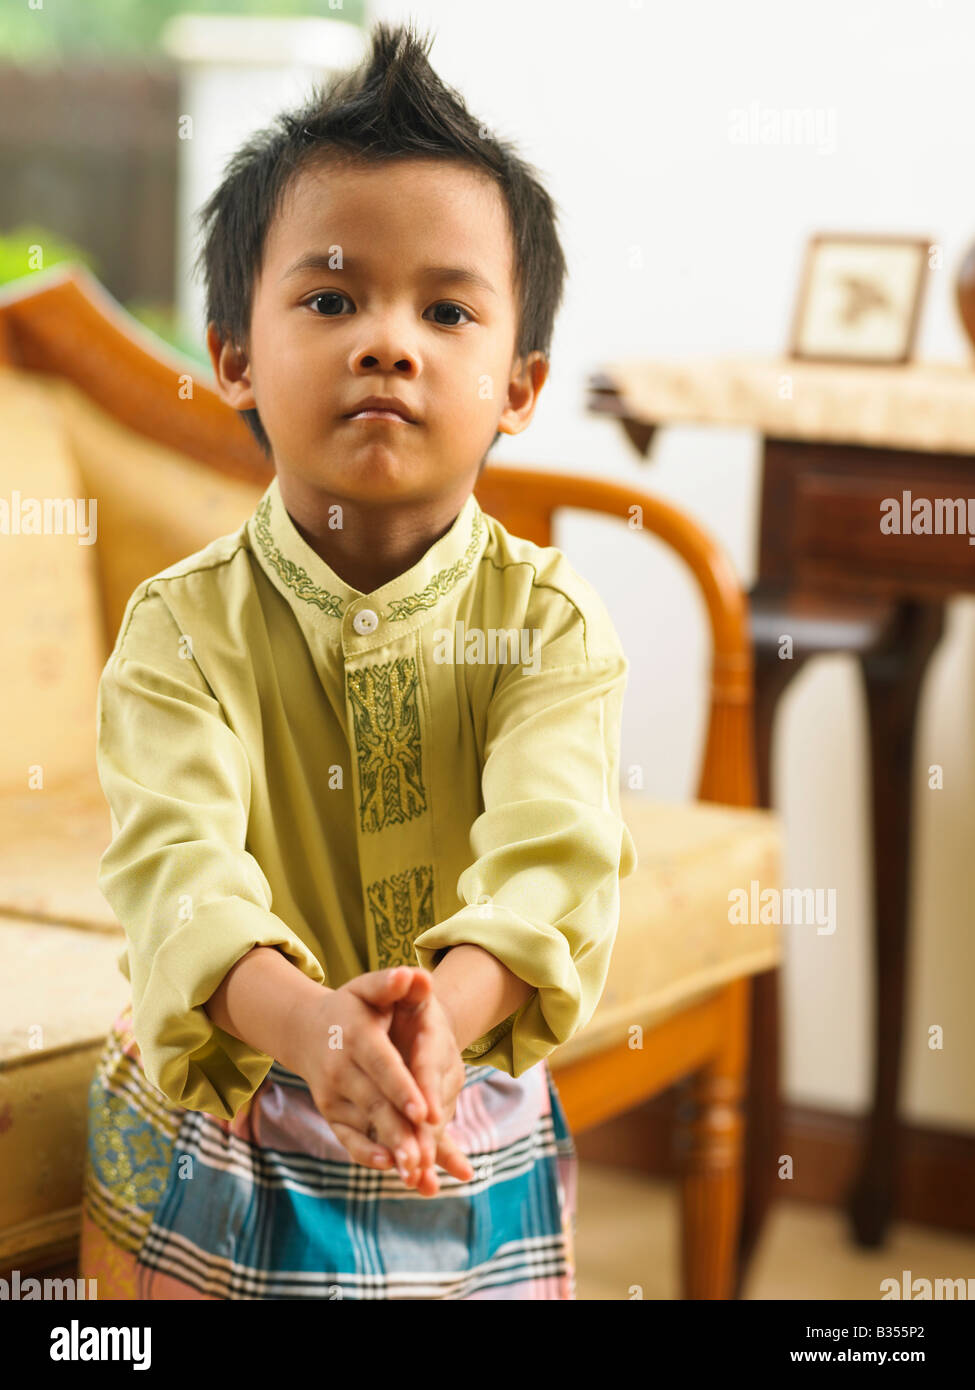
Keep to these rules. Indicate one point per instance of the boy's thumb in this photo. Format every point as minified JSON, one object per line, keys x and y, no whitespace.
{"x":381,"y":987}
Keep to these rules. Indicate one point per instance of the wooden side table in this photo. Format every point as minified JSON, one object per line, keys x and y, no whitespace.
{"x":837,"y":441}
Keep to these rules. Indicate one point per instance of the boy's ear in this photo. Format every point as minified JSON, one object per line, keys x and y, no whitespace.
{"x":231,"y":371}
{"x":526,"y":382}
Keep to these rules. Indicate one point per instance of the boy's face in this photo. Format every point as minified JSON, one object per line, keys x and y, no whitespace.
{"x":390,"y":316}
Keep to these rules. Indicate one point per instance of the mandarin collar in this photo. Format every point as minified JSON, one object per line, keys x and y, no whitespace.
{"x":307,"y":582}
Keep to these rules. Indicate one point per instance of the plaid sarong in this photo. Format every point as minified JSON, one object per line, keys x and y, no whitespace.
{"x":180,"y":1204}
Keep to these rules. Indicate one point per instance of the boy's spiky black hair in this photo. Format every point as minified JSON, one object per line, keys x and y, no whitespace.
{"x":392,"y":106}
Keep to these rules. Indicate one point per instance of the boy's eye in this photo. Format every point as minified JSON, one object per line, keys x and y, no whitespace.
{"x":450,"y":305}
{"x":328,"y":294}
{"x":335,"y":298}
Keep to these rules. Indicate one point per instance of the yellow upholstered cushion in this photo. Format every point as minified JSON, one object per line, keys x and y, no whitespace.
{"x":675,"y":940}
{"x":54,"y":645}
{"x":51,"y":842}
{"x":60,"y":989}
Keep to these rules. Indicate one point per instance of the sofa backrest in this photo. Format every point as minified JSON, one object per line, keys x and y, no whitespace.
{"x":155,"y":504}
{"x":143,"y":506}
{"x":50,"y":614}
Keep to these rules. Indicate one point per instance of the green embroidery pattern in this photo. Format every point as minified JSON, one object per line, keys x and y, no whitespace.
{"x":386,"y":724}
{"x":300,"y":581}
{"x":482,"y":1045}
{"x":401,"y":907}
{"x":441,"y":583}
{"x":295,"y":576}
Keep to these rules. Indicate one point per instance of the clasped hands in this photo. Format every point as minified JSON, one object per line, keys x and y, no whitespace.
{"x":390,"y":1088}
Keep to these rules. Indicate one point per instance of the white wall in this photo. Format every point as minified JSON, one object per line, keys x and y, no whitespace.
{"x":625,"y":109}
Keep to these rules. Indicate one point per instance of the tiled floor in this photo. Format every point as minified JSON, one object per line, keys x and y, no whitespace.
{"x":627,"y":1246}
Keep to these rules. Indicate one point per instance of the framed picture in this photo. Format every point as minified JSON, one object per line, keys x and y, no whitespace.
{"x":860,"y":298}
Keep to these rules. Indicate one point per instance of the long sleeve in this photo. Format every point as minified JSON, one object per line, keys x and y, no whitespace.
{"x":191,"y":899}
{"x":550,"y":846}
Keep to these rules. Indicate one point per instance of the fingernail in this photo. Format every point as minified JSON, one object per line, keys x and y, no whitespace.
{"x":414,"y":1112}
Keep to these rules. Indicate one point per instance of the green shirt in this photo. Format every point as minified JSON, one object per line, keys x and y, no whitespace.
{"x":360,"y":780}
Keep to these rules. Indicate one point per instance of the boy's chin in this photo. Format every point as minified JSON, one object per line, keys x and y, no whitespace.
{"x":376,"y":479}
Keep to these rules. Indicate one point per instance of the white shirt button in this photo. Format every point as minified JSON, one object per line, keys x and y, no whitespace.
{"x":365,"y":621}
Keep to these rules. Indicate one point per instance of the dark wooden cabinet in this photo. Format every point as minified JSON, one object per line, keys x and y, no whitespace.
{"x":834,"y":579}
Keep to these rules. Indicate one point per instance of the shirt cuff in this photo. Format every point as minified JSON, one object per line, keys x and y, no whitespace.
{"x":192,"y":1061}
{"x":537,"y":954}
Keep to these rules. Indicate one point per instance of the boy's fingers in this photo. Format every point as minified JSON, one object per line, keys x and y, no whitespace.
{"x":382,"y":1062}
{"x":420,"y":988}
{"x":437,"y":1148}
{"x":427,"y":1143}
{"x":382,"y":1123}
{"x":382,"y":988}
{"x":453,"y":1159}
{"x":427,"y":1075}
{"x":361,"y":1149}
{"x":429,"y":1184}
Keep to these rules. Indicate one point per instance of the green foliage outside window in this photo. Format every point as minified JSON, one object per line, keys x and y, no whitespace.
{"x":17,"y":257}
{"x":69,"y":29}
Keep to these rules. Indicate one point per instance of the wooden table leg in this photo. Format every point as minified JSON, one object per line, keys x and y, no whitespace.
{"x":762,"y":1109}
{"x":893,"y":679}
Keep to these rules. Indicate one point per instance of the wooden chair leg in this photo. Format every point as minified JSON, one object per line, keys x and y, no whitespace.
{"x":710,"y":1154}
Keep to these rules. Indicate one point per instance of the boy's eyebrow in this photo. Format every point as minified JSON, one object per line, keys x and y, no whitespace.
{"x":322,"y":260}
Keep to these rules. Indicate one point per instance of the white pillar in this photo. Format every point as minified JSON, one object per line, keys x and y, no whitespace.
{"x":237,"y":73}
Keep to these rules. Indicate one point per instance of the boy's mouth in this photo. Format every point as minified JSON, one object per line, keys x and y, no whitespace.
{"x":379,"y":415}
{"x":381,"y":408}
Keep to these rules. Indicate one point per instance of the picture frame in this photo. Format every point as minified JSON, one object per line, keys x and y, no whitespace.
{"x":859,"y":298}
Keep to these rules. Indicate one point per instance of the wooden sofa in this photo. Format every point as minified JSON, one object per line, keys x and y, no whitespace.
{"x":95,"y":408}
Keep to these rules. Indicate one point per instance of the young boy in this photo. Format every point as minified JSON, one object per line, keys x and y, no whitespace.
{"x":361,"y":755}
